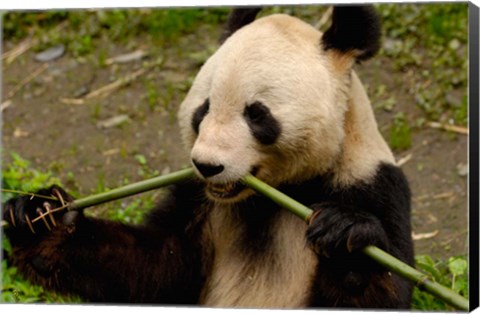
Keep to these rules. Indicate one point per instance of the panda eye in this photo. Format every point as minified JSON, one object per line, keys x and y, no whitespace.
{"x":199,"y":114}
{"x":263,"y":125}
{"x":256,"y":112}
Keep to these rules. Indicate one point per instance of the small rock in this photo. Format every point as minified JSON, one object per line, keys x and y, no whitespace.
{"x":462,"y":169}
{"x":454,"y":44}
{"x":50,"y":54}
{"x":114,"y":121}
{"x":391,"y":45}
{"x":454,"y":99}
{"x":80,"y":92}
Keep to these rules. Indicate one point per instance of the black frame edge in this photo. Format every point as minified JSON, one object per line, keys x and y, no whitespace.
{"x":474,"y":221}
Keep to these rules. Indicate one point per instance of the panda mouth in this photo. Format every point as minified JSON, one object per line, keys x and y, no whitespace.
{"x":224,"y":191}
{"x":229,"y":190}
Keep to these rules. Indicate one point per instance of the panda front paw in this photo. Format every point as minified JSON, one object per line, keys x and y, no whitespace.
{"x":335,"y":231}
{"x":35,"y":215}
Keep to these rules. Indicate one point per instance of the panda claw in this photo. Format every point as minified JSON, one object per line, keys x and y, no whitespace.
{"x":27,"y":219}
{"x":12,"y":217}
{"x":59,"y":196}
{"x":23,"y":212}
{"x":48,"y":208}
{"x":333,"y":230}
{"x":42,"y":216}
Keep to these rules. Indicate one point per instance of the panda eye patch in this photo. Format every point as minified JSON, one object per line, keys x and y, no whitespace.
{"x":200,"y":114}
{"x":263,"y":125}
{"x":256,"y":112}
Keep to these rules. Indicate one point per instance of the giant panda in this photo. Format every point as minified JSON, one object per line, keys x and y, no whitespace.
{"x":281,"y":101}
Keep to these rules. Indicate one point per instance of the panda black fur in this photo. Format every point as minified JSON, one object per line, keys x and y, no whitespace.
{"x":281,"y":101}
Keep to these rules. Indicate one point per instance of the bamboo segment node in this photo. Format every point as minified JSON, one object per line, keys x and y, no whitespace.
{"x":421,"y":282}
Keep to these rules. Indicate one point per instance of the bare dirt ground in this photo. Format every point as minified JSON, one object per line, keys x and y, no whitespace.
{"x":73,"y":142}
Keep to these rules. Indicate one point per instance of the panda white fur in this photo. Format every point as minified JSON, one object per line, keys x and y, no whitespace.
{"x":281,"y":101}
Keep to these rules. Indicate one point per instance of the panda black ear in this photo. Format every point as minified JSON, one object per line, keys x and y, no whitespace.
{"x":355,"y":31}
{"x":238,"y":18}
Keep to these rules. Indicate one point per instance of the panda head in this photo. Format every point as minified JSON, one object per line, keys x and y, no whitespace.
{"x":271,"y":101}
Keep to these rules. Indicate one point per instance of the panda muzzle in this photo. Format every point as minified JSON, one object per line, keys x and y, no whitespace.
{"x":227,"y":190}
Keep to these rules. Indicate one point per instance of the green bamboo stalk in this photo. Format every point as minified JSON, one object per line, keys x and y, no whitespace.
{"x":382,"y":257}
{"x":278,"y":197}
{"x":127,"y":190}
{"x":422,"y":281}
{"x":132,"y":189}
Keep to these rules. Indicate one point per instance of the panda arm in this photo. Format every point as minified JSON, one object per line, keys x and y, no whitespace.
{"x":378,"y":214}
{"x":106,"y":261}
{"x":374,"y":213}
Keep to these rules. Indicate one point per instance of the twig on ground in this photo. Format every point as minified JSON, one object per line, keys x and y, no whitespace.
{"x":443,"y":195}
{"x":447,"y":127}
{"x":73,"y":101}
{"x":25,"y":45}
{"x":128,"y":57}
{"x":404,"y":160}
{"x":111,"y":87}
{"x":17,"y":51}
{"x":110,"y":152}
{"x":27,"y":80}
{"x":105,"y":90}
{"x":324,"y":19}
{"x":420,"y":236}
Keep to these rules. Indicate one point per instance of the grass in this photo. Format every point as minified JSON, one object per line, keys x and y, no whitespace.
{"x":451,"y":273}
{"x":81,"y":28}
{"x":429,"y":43}
{"x":19,"y":176}
{"x":400,"y":136}
{"x":152,"y":95}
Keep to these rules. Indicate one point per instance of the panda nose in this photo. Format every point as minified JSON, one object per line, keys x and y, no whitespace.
{"x":207,"y":170}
